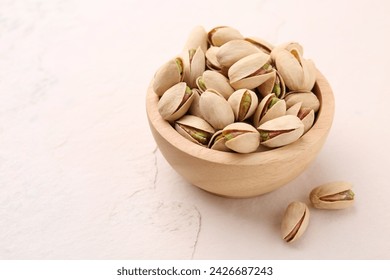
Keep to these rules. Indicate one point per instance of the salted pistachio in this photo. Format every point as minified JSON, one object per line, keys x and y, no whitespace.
{"x":175,"y":102}
{"x":169,"y":74}
{"x":281,"y":131}
{"x":308,"y":99}
{"x":217,"y":142}
{"x":233,"y":51}
{"x":214,"y":80}
{"x":244,"y":103}
{"x":197,"y":38}
{"x":270,"y":107}
{"x":215,"y":109}
{"x":194,"y":129}
{"x":298,"y":73}
{"x":241,"y":137}
{"x":251,"y":71}
{"x":195,"y":108}
{"x":221,"y":34}
{"x":261,"y":44}
{"x":194,"y":65}
{"x":295,"y":221}
{"x":335,"y":195}
{"x":274,"y":84}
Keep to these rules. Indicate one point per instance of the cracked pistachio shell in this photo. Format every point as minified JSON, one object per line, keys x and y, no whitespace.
{"x":298,"y":73}
{"x":294,"y":109}
{"x":251,"y":71}
{"x":260,"y":44}
{"x":274,"y":84}
{"x":168,"y":75}
{"x":270,"y":107}
{"x":214,"y":80}
{"x":194,"y":129}
{"x":295,"y":221}
{"x":194,"y":108}
{"x":241,"y":137}
{"x":307,"y":117}
{"x":308,"y":99}
{"x":217,"y":142}
{"x":233,"y":51}
{"x":289,"y":46}
{"x":244,"y":103}
{"x":175,"y":102}
{"x":212,"y":61}
{"x":223,"y":34}
{"x":215,"y":109}
{"x":197,"y":38}
{"x":194,"y":65}
{"x":335,"y":195}
{"x":281,"y":131}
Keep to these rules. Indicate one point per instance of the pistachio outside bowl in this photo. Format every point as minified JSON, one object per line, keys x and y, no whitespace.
{"x":242,"y":175}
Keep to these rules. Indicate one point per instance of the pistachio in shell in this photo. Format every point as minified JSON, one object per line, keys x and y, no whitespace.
{"x":244,"y":103}
{"x":221,"y":34}
{"x":194,"y":65}
{"x":216,"y":81}
{"x":261,"y":44}
{"x":175,"y":102}
{"x":195,"y":108}
{"x":169,"y":74}
{"x":308,"y":99}
{"x":295,"y":221}
{"x":270,"y":107}
{"x":233,"y":51}
{"x":281,"y":131}
{"x":217,"y":142}
{"x":241,"y":137}
{"x":215,"y":109}
{"x":275,"y":85}
{"x":334,"y":195}
{"x":194,"y":129}
{"x":197,"y":38}
{"x":251,"y":71}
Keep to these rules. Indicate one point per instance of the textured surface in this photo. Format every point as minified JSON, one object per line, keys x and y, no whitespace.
{"x":80,"y":175}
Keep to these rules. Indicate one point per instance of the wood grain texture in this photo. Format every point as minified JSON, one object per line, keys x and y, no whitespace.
{"x":242,"y":175}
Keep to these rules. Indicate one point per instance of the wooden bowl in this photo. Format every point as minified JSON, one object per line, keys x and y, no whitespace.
{"x":242,"y":175}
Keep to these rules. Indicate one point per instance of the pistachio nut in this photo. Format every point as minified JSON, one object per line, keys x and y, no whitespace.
{"x":295,"y":221}
{"x":194,"y":129}
{"x":281,"y":131}
{"x":214,"y":80}
{"x":175,"y":102}
{"x":195,"y":108}
{"x":241,"y":137}
{"x":297,"y":72}
{"x":215,"y":109}
{"x":212,"y":62}
{"x":244,"y":103}
{"x":307,"y":116}
{"x":294,"y":109}
{"x":260,"y":44}
{"x":308,"y":99}
{"x":233,"y":51}
{"x":168,"y":75}
{"x":222,"y":34}
{"x":251,"y":71}
{"x":197,"y":38}
{"x":270,"y":107}
{"x":194,"y":65}
{"x":335,"y":195}
{"x":289,"y":46}
{"x":217,"y":142}
{"x":274,"y":84}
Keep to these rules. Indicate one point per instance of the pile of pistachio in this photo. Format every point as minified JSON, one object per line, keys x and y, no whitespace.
{"x":232,"y":93}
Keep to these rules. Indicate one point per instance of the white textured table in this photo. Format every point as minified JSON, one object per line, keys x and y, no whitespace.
{"x":80,"y":175}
